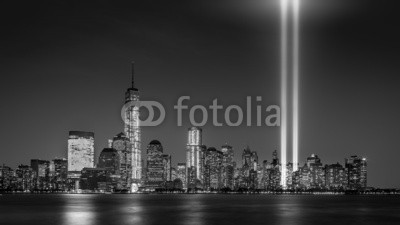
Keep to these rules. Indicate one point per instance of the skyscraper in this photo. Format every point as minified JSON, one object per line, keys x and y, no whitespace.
{"x":212,"y":169}
{"x":123,"y":146}
{"x":335,"y":176}
{"x":109,"y":159}
{"x":6,"y":177}
{"x":167,"y":167}
{"x":155,"y":164}
{"x":60,"y":173}
{"x":80,"y":150}
{"x":132,"y":130}
{"x":194,"y":155}
{"x":181,"y":173}
{"x":249,"y":168}
{"x":25,"y":176}
{"x":41,"y":171}
{"x":356,"y":172}
{"x":317,"y":174}
{"x":227,"y":172}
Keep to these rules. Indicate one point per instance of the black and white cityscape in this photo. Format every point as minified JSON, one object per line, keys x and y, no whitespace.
{"x":199,"y":112}
{"x":124,"y":167}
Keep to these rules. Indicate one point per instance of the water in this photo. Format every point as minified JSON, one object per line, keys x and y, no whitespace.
{"x":198,"y":209}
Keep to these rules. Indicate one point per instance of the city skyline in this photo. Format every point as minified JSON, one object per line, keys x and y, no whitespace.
{"x":216,"y":170}
{"x":60,"y":75}
{"x":194,"y":141}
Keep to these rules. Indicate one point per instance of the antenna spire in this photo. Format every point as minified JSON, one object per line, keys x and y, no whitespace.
{"x":133,"y":73}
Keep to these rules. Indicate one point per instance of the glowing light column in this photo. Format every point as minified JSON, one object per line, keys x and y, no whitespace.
{"x":295,"y":134}
{"x":284,"y":64}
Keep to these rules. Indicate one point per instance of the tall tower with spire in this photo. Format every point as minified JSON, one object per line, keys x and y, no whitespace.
{"x":132,"y":129}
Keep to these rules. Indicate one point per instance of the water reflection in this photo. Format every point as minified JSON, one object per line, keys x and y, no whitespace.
{"x":198,"y":209}
{"x":193,"y":210}
{"x":79,"y":209}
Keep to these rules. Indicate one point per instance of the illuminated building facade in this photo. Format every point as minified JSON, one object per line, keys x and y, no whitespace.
{"x":25,"y":177}
{"x":317,"y":172}
{"x":289,"y":175}
{"x":174,"y":174}
{"x":122,"y":145}
{"x":60,"y":173}
{"x":194,"y":156}
{"x":80,"y":150}
{"x":181,"y":174}
{"x":212,"y":169}
{"x":227,"y":173}
{"x":167,"y":167}
{"x":273,"y":179}
{"x":155,"y":165}
{"x":6,"y":178}
{"x":335,"y":177}
{"x":41,"y":171}
{"x":249,"y":171}
{"x":356,"y":172}
{"x":133,"y":131}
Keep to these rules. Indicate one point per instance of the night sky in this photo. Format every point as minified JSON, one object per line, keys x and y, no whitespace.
{"x":65,"y":65}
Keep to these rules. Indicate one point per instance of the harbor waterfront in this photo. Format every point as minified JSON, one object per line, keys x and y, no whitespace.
{"x":198,"y":209}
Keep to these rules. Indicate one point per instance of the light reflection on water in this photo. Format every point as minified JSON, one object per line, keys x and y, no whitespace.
{"x":197,"y":209}
{"x":79,"y":209}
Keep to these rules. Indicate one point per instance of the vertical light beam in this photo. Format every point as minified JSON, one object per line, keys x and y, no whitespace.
{"x":284,"y":64}
{"x":295,"y":134}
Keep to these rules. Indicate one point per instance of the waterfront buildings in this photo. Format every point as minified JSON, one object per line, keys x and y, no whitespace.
{"x":194,"y":156}
{"x":356,"y":172}
{"x":155,"y":166}
{"x":181,"y":174}
{"x":212,"y":169}
{"x":122,"y":145}
{"x":228,"y":166}
{"x":133,"y":131}
{"x":80,"y":151}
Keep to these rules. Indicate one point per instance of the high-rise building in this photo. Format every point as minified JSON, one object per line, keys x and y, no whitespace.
{"x":80,"y":150}
{"x":174,"y":174}
{"x":289,"y":175}
{"x":109,"y":159}
{"x":246,"y":157}
{"x":227,"y":173}
{"x":194,"y":156}
{"x":25,"y":177}
{"x":317,"y":173}
{"x":181,"y":173}
{"x":263,"y":184}
{"x":132,"y":130}
{"x":94,"y":179}
{"x":41,"y":171}
{"x":249,"y":174}
{"x":356,"y":172}
{"x":275,"y":159}
{"x":155,"y":165}
{"x":212,"y":169}
{"x":41,"y":168}
{"x":167,"y":167}
{"x":6,"y":177}
{"x":122,"y":145}
{"x":60,"y":173}
{"x":274,"y":173}
{"x":61,"y":168}
{"x":335,"y":177}
{"x":254,"y":160}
